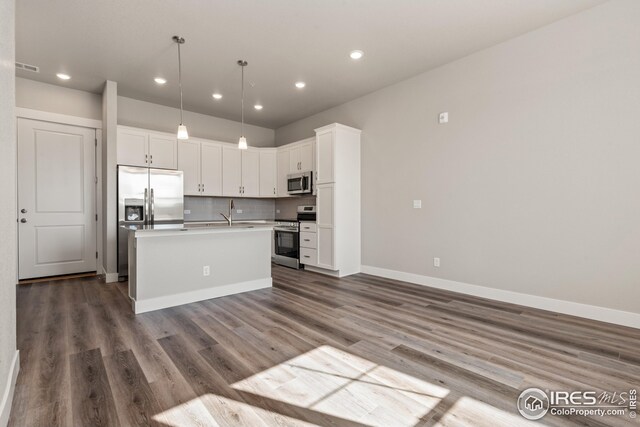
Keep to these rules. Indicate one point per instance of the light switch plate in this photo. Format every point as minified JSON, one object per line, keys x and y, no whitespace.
{"x":417,"y":204}
{"x":443,"y":118}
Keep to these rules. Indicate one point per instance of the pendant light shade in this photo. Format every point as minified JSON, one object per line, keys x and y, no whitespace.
{"x":242,"y":142}
{"x":183,"y":134}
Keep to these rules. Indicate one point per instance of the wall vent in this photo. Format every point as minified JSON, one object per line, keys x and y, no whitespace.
{"x":27,"y":67}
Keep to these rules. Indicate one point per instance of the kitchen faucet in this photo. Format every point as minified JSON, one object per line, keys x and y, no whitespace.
{"x":230,"y":217}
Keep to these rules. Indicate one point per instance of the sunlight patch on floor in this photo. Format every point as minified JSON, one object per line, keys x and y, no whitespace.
{"x":346,"y":386}
{"x":472,"y":412}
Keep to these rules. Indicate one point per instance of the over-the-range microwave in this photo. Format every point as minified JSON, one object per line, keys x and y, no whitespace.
{"x":299,"y":183}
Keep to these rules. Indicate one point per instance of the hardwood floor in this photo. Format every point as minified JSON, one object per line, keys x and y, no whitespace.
{"x":313,"y":350}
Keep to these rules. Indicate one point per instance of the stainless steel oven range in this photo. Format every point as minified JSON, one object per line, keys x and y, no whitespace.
{"x":286,"y":248}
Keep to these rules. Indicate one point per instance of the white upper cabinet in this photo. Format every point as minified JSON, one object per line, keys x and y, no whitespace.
{"x":284,"y":155}
{"x":163,"y":151}
{"x":132,"y":147}
{"x":211,"y":169}
{"x":268,"y":173}
{"x":250,"y":173}
{"x":231,"y":171}
{"x":324,"y":166}
{"x":301,"y":157}
{"x":138,"y":147}
{"x":189,"y":164}
{"x":201,"y":163}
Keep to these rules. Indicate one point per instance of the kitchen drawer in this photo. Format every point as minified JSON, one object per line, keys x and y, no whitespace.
{"x":308,"y":256}
{"x":308,"y":240}
{"x":308,"y":226}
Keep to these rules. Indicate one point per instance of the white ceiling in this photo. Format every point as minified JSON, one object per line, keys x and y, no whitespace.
{"x":129,"y":41}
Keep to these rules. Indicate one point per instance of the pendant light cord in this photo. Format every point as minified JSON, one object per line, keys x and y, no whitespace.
{"x":242,"y":105}
{"x":180,"y":79}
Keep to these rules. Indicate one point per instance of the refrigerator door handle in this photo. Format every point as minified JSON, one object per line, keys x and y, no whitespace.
{"x":146,"y":206}
{"x":152,"y":208}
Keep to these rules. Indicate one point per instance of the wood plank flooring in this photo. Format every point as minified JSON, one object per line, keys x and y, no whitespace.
{"x":313,"y":350}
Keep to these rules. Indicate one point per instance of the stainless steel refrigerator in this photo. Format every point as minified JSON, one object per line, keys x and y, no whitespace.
{"x":146,"y":197}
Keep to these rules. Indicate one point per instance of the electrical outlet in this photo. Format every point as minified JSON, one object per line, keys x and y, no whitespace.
{"x":443,"y":118}
{"x":436,"y":262}
{"x":417,"y":204}
{"x":238,"y":210}
{"x":187,"y":212}
{"x":277,"y":210}
{"x":206,"y":271}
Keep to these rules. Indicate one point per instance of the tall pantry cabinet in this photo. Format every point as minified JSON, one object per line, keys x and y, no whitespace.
{"x":338,"y":200}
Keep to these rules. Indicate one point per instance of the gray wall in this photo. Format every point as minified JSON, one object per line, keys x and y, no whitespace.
{"x":533,"y":186}
{"x":8,"y":246}
{"x":57,"y":99}
{"x":132,"y":112}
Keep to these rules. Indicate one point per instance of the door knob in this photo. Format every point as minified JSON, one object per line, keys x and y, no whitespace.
{"x":23,"y":210}
{"x":23,"y":220}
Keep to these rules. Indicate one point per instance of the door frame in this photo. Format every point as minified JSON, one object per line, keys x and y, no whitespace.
{"x":63,"y":119}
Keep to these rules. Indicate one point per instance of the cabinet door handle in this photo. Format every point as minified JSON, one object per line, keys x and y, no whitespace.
{"x":306,"y":256}
{"x":146,"y":158}
{"x":203,"y":188}
{"x":151,"y":158}
{"x":307,"y":240}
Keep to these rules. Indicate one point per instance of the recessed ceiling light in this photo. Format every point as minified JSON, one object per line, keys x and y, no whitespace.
{"x":356,"y":54}
{"x":300,"y":85}
{"x":63,"y":76}
{"x":217,"y":96}
{"x":258,"y":107}
{"x":160,"y":80}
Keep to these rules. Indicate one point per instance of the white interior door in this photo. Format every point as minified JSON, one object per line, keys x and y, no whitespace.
{"x":56,"y":199}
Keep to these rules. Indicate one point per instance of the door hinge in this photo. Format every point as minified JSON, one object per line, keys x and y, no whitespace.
{"x":96,"y":254}
{"x":96,"y":217}
{"x":96,"y":179}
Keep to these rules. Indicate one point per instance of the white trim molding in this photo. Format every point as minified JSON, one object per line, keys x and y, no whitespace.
{"x":199,"y":295}
{"x":603,"y":314}
{"x":10,"y":388}
{"x":110,"y":277}
{"x":46,"y":116}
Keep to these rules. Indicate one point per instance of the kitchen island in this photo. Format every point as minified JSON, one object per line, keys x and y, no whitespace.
{"x":177,"y":264}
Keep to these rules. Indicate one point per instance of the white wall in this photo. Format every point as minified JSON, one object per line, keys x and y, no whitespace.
{"x":109,"y":181}
{"x":533,"y":186}
{"x":8,"y":245}
{"x":132,"y":112}
{"x":57,"y":99}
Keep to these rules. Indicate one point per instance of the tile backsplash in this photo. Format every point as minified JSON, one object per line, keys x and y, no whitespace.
{"x":209,"y":208}
{"x":288,"y":207}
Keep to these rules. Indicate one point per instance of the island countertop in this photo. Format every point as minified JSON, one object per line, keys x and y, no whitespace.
{"x":197,"y":228}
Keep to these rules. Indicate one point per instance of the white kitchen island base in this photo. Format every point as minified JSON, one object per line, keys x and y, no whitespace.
{"x":167,"y":264}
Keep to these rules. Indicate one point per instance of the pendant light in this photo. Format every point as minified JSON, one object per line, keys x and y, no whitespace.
{"x":242,"y":142}
{"x":182,"y":129}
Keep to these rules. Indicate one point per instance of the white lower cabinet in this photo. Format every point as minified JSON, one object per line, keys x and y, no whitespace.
{"x":326,"y":258}
{"x":308,"y":243}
